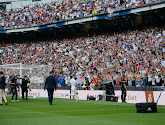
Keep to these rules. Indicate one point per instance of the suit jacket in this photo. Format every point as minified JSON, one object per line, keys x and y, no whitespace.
{"x":50,"y":82}
{"x":2,"y":82}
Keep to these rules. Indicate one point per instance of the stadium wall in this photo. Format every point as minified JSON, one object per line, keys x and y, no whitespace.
{"x":132,"y":96}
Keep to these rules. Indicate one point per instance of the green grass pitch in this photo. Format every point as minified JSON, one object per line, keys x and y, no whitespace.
{"x":69,"y":112}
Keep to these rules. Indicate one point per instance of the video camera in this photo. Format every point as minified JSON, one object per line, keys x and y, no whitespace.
{"x":13,"y":79}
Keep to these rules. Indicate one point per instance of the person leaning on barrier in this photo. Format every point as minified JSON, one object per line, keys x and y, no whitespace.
{"x":2,"y":88}
{"x":24,"y":86}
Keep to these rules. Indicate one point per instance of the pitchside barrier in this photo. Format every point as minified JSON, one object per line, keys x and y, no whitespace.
{"x":132,"y":96}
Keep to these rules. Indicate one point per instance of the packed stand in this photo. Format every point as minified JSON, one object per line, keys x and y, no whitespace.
{"x":41,"y":14}
{"x":139,"y":55}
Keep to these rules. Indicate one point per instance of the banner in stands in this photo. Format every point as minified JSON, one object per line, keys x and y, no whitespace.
{"x":132,"y":96}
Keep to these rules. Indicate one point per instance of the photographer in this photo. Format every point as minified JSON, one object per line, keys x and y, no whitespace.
{"x":13,"y":84}
{"x":24,"y":86}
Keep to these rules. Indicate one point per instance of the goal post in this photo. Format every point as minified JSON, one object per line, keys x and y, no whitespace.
{"x":36,"y":73}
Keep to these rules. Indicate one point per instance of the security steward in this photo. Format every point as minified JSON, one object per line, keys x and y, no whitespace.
{"x":123,"y":88}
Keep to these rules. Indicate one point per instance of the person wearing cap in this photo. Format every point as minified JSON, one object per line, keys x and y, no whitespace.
{"x":2,"y":88}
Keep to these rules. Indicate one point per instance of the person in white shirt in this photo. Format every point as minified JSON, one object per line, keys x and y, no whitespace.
{"x":157,"y":78}
{"x":92,"y":85}
{"x":149,"y":79}
{"x":153,"y":81}
{"x":67,"y":79}
{"x":163,"y":62}
{"x":73,"y":88}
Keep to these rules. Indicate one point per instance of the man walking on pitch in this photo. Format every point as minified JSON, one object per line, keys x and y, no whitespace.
{"x":74,"y":88}
{"x":50,"y":85}
{"x":2,"y":88}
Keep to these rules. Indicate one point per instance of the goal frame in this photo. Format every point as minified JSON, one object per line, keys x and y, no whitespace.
{"x":22,"y":67}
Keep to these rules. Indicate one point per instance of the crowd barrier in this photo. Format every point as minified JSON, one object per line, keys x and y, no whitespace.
{"x":132,"y":96}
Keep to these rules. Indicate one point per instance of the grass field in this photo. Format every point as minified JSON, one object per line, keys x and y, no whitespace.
{"x":69,"y":112}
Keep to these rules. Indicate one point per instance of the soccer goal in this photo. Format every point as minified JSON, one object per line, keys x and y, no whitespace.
{"x":36,"y":73}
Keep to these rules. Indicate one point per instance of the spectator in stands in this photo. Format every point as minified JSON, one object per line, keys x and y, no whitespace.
{"x":149,"y":79}
{"x":96,"y":80}
{"x":118,"y":79}
{"x":67,"y":79}
{"x":92,"y":85}
{"x":145,"y":80}
{"x":88,"y":56}
{"x":41,"y":14}
{"x":157,"y":79}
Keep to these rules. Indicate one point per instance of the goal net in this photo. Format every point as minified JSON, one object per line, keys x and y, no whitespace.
{"x":36,"y":73}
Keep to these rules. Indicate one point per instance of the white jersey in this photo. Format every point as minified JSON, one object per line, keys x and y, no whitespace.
{"x":92,"y":85}
{"x":73,"y":83}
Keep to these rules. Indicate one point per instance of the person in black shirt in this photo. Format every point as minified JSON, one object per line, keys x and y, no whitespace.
{"x":13,"y":84}
{"x":100,"y":86}
{"x":24,"y":86}
{"x":123,"y":89}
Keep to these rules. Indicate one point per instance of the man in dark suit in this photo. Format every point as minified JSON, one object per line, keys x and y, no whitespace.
{"x":24,"y":86}
{"x":50,"y":85}
{"x":2,"y":88}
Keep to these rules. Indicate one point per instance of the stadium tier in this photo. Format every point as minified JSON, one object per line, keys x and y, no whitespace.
{"x":34,"y":15}
{"x":82,"y":62}
{"x":139,"y":54}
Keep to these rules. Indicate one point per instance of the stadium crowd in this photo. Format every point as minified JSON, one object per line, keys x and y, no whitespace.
{"x":40,"y":14}
{"x":140,"y":55}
